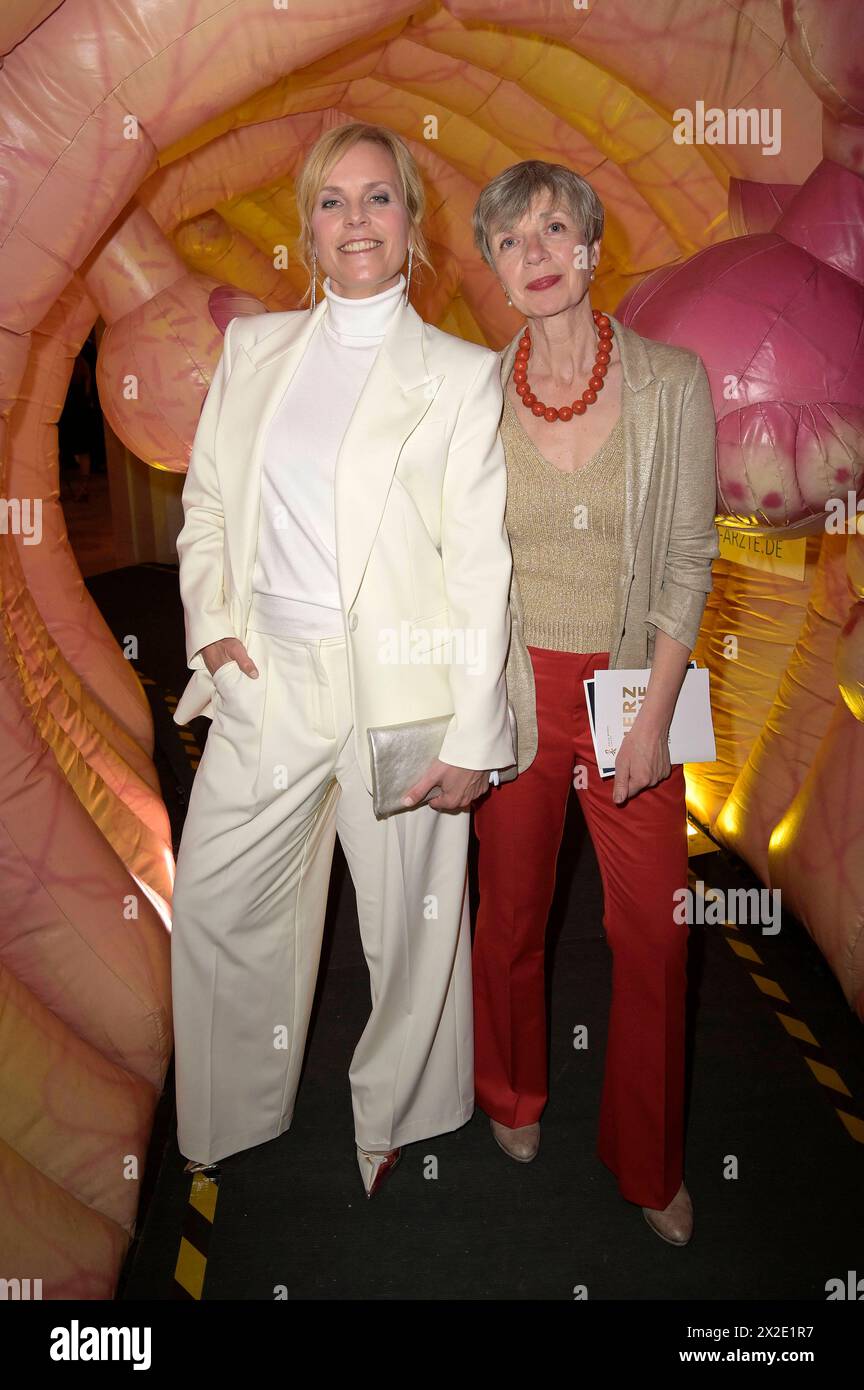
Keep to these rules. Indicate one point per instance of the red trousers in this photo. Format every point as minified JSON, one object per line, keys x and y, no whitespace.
{"x":641,"y":848}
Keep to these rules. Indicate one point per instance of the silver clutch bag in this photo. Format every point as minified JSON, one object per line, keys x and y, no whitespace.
{"x":400,"y":753}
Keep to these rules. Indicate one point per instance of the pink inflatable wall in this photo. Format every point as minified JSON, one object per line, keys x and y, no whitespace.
{"x":149,"y":152}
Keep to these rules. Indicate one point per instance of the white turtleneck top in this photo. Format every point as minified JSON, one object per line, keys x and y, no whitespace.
{"x":295,"y":565}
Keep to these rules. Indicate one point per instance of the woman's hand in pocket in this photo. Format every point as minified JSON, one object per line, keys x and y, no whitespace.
{"x":227,"y":649}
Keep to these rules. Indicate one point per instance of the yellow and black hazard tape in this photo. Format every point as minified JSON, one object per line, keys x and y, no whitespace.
{"x":190,"y":1270}
{"x":848,"y":1110}
{"x":191,"y":1267}
{"x":187,"y":738}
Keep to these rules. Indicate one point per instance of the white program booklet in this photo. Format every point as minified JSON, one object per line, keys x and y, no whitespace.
{"x":615,"y":698}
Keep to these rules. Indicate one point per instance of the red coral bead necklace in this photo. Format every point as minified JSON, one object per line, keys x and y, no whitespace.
{"x":589,"y":395}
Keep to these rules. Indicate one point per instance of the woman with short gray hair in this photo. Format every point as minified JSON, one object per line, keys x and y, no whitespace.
{"x":609,"y":442}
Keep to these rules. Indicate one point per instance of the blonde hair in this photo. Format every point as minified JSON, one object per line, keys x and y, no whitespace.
{"x":327,"y":151}
{"x":507,"y":198}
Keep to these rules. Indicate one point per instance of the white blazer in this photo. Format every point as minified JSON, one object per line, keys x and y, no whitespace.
{"x":420,"y":492}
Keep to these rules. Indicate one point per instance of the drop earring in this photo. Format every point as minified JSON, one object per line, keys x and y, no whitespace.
{"x":314,"y":280}
{"x":410,"y":264}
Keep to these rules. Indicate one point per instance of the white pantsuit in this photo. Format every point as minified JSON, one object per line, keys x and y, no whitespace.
{"x":252,"y":878}
{"x":286,"y":764}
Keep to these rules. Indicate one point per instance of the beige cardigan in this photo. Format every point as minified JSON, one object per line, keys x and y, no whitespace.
{"x":670,"y":538}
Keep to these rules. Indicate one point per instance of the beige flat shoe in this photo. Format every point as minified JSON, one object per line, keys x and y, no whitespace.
{"x":521,"y":1144}
{"x":675,"y":1223}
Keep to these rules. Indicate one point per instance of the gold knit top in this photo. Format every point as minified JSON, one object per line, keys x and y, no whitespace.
{"x":565,"y":534}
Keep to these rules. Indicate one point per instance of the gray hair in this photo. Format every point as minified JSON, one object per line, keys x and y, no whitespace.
{"x":507,"y":198}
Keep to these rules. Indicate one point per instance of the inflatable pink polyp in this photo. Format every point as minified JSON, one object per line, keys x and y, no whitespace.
{"x":778,"y":325}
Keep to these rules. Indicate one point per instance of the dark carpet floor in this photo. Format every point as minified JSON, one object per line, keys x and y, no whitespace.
{"x":291,"y":1214}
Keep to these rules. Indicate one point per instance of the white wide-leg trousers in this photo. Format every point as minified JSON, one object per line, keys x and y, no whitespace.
{"x":277,"y":781}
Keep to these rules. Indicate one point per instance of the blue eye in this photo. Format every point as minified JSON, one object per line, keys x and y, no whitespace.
{"x":506,"y":238}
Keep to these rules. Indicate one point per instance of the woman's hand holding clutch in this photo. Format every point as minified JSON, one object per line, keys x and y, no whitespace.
{"x":227,"y":649}
{"x":460,"y":786}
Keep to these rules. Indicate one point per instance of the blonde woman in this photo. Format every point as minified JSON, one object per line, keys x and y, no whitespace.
{"x":609,"y":443}
{"x":344,"y":520}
